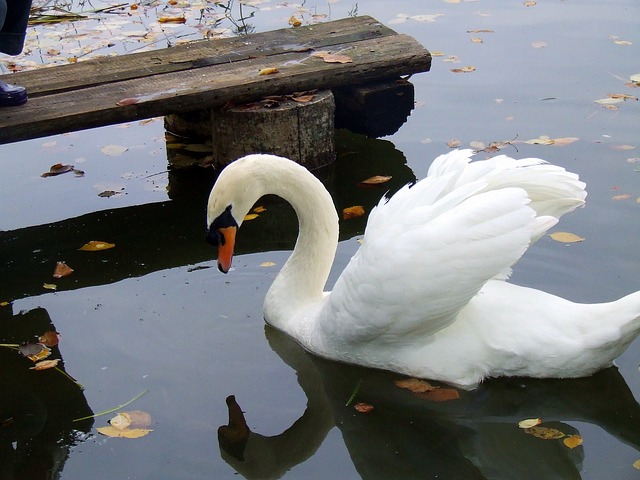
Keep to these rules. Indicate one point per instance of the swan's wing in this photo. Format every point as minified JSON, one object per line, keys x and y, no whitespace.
{"x":430,"y":248}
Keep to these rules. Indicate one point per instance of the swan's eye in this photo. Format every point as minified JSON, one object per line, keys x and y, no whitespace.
{"x":224,"y":220}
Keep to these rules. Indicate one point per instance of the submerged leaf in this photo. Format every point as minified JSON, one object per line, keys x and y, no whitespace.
{"x":545,"y":433}
{"x":363,"y":407}
{"x":414,"y":385}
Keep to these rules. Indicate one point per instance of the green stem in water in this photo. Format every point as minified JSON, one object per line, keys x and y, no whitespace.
{"x":70,"y":378}
{"x":107,"y":412}
{"x":353,"y":395}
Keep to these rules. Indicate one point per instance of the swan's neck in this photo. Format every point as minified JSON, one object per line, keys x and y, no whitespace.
{"x":301,"y":280}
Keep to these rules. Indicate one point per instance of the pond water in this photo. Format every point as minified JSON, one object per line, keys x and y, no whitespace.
{"x":151,"y":316}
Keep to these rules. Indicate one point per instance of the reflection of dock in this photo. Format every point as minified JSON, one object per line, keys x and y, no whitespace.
{"x":170,"y":234}
{"x":207,"y":74}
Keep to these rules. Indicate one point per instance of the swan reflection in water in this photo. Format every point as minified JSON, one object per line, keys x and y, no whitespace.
{"x":474,"y":437}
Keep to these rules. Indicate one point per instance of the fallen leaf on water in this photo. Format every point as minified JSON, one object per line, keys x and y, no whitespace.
{"x":622,"y":42}
{"x":127,"y":101}
{"x":635,"y":78}
{"x":440,"y":394}
{"x":57,"y":169}
{"x":45,"y":364}
{"x":481,"y":30}
{"x":49,"y":286}
{"x":455,"y":143}
{"x":332,"y":57}
{"x":363,"y":407}
{"x":530,"y":3}
{"x":376,"y":180}
{"x":49,"y":339}
{"x":172,"y":19}
{"x":34,"y":351}
{"x":541,"y":140}
{"x":476,"y":40}
{"x":566,"y":237}
{"x":561,"y":142}
{"x":414,"y":385}
{"x":95,"y":245}
{"x":466,"y":69}
{"x":268,"y":71}
{"x":111,"y":431}
{"x":539,"y":44}
{"x":113,"y":150}
{"x":623,"y":96}
{"x":608,"y":101}
{"x":259,"y":209}
{"x":636,"y":464}
{"x":352,"y":212}
{"x":250,"y":216}
{"x":545,"y":433}
{"x":624,"y":147}
{"x":62,"y":270}
{"x":294,"y":22}
{"x":108,"y":193}
{"x":529,"y":422}
{"x":572,"y":441}
{"x":134,"y":418}
{"x":622,"y":196}
{"x":267,"y":264}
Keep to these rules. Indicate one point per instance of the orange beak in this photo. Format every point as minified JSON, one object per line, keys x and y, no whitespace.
{"x":225,"y":247}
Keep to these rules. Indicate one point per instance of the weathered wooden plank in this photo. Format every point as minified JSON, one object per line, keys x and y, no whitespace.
{"x":199,"y":54}
{"x":211,"y":86}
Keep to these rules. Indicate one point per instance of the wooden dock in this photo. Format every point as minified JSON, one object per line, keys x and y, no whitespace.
{"x":206,"y":74}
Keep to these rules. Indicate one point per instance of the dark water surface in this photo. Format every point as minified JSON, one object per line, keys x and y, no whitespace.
{"x":145,"y":315}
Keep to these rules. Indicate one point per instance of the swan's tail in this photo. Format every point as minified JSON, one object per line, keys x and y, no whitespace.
{"x":618,"y":324}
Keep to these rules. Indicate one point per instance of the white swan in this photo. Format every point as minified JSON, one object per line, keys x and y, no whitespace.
{"x":426,"y":294}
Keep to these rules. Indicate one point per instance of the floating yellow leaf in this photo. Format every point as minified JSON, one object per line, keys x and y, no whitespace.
{"x":4,"y":304}
{"x":622,"y":196}
{"x":49,"y":286}
{"x":62,"y":270}
{"x":476,"y":40}
{"x":259,"y":209}
{"x":529,"y":422}
{"x":622,"y":42}
{"x":267,"y":264}
{"x":250,"y":216}
{"x":566,"y":237}
{"x":573,"y":441}
{"x":352,"y":212}
{"x":268,"y":71}
{"x":636,"y":464}
{"x":49,"y":339}
{"x":545,"y":433}
{"x":294,"y":22}
{"x":455,"y":143}
{"x":561,"y":142}
{"x":121,"y":421}
{"x":95,"y":246}
{"x":608,"y":101}
{"x":111,"y":431}
{"x":376,"y":180}
{"x":45,"y":364}
{"x":181,"y":19}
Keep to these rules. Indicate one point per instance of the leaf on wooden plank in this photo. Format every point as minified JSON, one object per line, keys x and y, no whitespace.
{"x":332,"y":57}
{"x":49,"y":339}
{"x":566,"y":237}
{"x":96,"y":246}
{"x":572,"y":441}
{"x":545,"y":433}
{"x":46,"y":364}
{"x":376,"y":180}
{"x":294,"y":22}
{"x":62,"y":270}
{"x":268,"y":71}
{"x":57,"y":169}
{"x":352,"y":212}
{"x":363,"y":407}
{"x":127,"y":101}
{"x":303,"y":98}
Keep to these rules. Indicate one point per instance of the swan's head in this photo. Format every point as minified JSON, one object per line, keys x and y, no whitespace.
{"x":237,"y":188}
